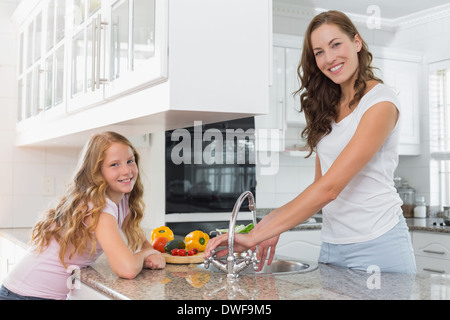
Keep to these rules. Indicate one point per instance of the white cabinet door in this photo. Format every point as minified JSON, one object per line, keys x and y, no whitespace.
{"x":432,"y":252}
{"x":6,"y":257}
{"x":403,"y":77}
{"x":432,"y":245}
{"x":10,"y":254}
{"x":293,"y":115}
{"x":121,"y":46}
{"x":86,"y":59}
{"x":136,"y":45}
{"x":302,"y":245}
{"x":432,"y":265}
{"x":270,"y":127}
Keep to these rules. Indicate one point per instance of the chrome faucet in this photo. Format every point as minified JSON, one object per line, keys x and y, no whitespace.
{"x":231,"y":267}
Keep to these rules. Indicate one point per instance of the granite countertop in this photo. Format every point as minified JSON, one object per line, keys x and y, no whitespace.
{"x":180,"y":282}
{"x":186,"y":282}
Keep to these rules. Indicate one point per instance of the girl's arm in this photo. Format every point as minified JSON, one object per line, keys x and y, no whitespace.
{"x":374,"y":128}
{"x":123,"y":262}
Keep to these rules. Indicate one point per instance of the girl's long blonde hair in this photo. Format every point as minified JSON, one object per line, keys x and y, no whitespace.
{"x":319,"y":96}
{"x":67,"y":224}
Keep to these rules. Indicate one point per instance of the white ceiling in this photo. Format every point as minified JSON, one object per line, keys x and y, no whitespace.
{"x":389,"y":9}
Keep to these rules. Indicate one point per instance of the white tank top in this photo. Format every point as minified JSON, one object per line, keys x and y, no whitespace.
{"x":369,"y":205}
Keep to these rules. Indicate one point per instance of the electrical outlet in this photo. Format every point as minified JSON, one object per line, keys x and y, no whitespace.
{"x":48,"y":186}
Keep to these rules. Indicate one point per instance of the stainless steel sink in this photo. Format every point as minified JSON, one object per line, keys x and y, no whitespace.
{"x":278,"y":267}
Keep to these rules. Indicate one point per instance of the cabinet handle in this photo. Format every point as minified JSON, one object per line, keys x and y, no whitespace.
{"x":433,"y":251}
{"x":94,"y":47}
{"x":100,"y":25}
{"x":8,"y":265}
{"x":433,"y":270}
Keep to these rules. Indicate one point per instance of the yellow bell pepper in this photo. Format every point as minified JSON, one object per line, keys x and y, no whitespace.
{"x":162,"y":232}
{"x":196,"y":239}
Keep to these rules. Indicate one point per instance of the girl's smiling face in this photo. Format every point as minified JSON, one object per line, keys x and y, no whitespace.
{"x":120,"y":171}
{"x":335,"y":53}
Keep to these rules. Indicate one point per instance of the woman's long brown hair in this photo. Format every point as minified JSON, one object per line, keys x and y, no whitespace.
{"x":319,"y":96}
{"x":67,"y":224}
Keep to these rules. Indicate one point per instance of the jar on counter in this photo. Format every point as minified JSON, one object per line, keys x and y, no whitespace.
{"x":407,"y":194}
{"x":420,"y":210}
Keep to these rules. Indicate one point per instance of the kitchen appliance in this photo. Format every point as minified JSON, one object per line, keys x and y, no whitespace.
{"x":407,"y":194}
{"x":446,"y":215}
{"x":420,"y":210}
{"x":208,"y":166}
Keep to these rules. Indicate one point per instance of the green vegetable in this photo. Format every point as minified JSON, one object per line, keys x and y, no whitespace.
{"x":239,"y":229}
{"x":174,"y":244}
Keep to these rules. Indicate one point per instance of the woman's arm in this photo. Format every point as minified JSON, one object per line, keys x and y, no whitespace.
{"x":374,"y":128}
{"x":123,"y":262}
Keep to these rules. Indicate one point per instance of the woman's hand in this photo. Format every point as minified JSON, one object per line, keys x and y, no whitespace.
{"x":263,"y":249}
{"x":154,"y":261}
{"x":264,"y":246}
{"x":242,"y":242}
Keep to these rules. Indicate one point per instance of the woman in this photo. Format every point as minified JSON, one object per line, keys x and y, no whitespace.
{"x":103,"y":200}
{"x":352,"y":125}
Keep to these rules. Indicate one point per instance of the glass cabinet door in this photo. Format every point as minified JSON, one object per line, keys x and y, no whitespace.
{"x":86,"y":69}
{"x":54,"y":58}
{"x":120,"y":39}
{"x":133,"y":45}
{"x":29,"y":69}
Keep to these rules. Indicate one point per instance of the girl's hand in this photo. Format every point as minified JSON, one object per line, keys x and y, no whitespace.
{"x":154,"y":261}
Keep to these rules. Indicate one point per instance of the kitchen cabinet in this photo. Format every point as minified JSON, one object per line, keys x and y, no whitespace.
{"x":10,"y":253}
{"x":303,"y":245}
{"x":401,"y":71}
{"x":432,"y":251}
{"x":114,"y":49}
{"x":138,"y":66}
{"x":284,"y":107}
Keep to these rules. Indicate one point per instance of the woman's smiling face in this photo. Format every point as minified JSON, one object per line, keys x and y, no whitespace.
{"x":335,"y":53}
{"x":119,"y":170}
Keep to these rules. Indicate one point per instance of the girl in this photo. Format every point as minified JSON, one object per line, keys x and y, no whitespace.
{"x":352,"y":125}
{"x":104,"y":198}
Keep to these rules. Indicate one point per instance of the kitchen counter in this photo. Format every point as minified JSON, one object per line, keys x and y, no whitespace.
{"x":186,"y":282}
{"x":181,"y":282}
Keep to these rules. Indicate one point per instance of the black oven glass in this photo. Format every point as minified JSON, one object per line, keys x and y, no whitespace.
{"x":209,"y":166}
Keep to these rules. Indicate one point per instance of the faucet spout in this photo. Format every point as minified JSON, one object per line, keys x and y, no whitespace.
{"x":231,"y":267}
{"x":234,"y":214}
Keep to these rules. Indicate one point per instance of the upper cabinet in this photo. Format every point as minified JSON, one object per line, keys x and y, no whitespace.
{"x":401,"y":71}
{"x":138,"y":66}
{"x":284,"y":108}
{"x":113,"y":49}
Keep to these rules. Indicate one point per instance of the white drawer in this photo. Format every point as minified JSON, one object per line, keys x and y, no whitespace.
{"x":432,"y":265}
{"x":304,"y":245}
{"x":431,"y":245}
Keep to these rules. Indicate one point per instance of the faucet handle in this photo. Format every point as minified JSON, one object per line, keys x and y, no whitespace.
{"x":255,"y":261}
{"x":250,"y":258}
{"x":208,"y":260}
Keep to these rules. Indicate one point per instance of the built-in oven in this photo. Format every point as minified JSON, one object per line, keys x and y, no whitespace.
{"x":208,"y":166}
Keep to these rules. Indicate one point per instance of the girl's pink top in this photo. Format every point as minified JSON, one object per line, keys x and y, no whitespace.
{"x":43,"y":275}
